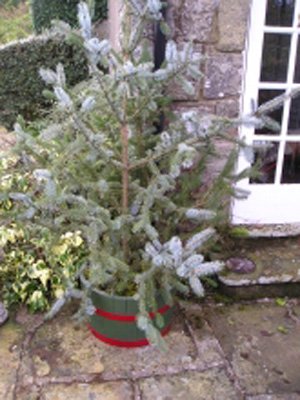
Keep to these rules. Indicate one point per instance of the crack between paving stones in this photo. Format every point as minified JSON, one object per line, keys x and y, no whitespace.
{"x":179,"y":371}
{"x":192,"y":336}
{"x":137,"y":395}
{"x":18,"y":371}
{"x":189,"y":331}
{"x":44,"y":381}
{"x":290,"y":308}
{"x":228,"y":367}
{"x":28,"y":336}
{"x":68,"y":380}
{"x":225,"y":364}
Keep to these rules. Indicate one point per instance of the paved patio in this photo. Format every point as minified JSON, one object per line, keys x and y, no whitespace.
{"x":216,"y":352}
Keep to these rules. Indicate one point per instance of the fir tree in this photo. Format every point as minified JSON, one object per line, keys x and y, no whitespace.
{"x":99,"y":169}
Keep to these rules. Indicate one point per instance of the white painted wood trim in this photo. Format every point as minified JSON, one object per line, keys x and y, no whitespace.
{"x":267,"y":203}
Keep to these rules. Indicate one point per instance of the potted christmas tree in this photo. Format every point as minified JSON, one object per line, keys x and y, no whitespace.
{"x":100,"y":167}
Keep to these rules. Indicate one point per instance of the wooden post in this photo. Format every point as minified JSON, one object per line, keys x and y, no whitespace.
{"x":114,"y":15}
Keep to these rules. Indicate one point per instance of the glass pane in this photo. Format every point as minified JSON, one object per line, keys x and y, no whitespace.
{"x":263,"y":97}
{"x":297,"y":67}
{"x":280,"y":12}
{"x":294,"y":121}
{"x":275,"y":57}
{"x":291,"y":165}
{"x":264,"y":162}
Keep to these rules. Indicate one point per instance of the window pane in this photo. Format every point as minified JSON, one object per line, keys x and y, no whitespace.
{"x":264,"y":160}
{"x":294,"y":121}
{"x":275,"y":57}
{"x":280,"y":12}
{"x":297,"y":67}
{"x":291,"y":165}
{"x":263,"y":97}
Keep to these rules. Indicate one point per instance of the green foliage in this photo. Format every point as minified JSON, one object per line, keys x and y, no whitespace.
{"x":281,"y":302}
{"x":35,"y":267}
{"x":10,"y":3}
{"x":21,"y":88}
{"x":282,"y":329}
{"x":44,"y":11}
{"x":15,"y":23}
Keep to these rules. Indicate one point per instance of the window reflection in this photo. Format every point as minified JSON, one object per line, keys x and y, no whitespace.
{"x":263,"y":97}
{"x":297,"y":67}
{"x":291,"y":164}
{"x":275,"y":57}
{"x":294,"y":119}
{"x":280,"y":12}
{"x":264,"y":161}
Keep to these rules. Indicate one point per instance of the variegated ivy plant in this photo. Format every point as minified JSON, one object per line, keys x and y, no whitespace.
{"x":34,"y":269}
{"x":101,"y":167}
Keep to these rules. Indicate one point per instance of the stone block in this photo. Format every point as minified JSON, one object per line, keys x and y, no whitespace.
{"x":228,"y":108}
{"x":232,"y":24}
{"x":202,"y":108}
{"x":216,"y":164}
{"x":176,"y":90}
{"x":193,"y":20}
{"x":223,"y":75}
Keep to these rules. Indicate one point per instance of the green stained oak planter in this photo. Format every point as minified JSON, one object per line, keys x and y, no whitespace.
{"x":114,"y":321}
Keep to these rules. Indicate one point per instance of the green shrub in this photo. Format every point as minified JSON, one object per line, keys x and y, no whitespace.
{"x":15,"y":22}
{"x":10,"y":3}
{"x":44,"y":11}
{"x":35,"y":266}
{"x":21,"y":88}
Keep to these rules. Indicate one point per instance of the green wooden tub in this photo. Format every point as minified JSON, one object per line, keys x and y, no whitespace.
{"x":114,"y":321}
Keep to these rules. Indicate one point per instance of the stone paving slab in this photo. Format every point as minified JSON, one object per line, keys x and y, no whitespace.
{"x":209,"y":385}
{"x":262,"y":344}
{"x":245,"y":351}
{"x":10,"y":339}
{"x":60,"y":349}
{"x":275,"y":397}
{"x":31,"y":392}
{"x":105,"y":391}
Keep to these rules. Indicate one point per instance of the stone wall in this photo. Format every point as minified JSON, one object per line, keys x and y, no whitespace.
{"x":218,"y":29}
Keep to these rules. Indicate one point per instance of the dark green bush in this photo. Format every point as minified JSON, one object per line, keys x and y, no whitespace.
{"x":44,"y":11}
{"x":15,"y":21}
{"x":9,"y":3}
{"x":21,"y":88}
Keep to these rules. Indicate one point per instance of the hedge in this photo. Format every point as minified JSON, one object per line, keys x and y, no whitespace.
{"x":13,"y":3}
{"x":21,"y":88}
{"x":44,"y":11}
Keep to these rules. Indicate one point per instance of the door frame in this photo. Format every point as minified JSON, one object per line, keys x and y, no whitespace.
{"x":276,"y":203}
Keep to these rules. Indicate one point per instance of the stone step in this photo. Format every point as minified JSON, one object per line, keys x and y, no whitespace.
{"x":262,"y":267}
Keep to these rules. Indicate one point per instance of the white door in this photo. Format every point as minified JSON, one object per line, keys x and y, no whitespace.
{"x":272,"y":68}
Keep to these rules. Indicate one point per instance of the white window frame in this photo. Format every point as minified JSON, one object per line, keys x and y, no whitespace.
{"x":276,"y":203}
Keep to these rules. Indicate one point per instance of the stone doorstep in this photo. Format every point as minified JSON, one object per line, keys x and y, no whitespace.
{"x":249,"y":291}
{"x":277,"y":269}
